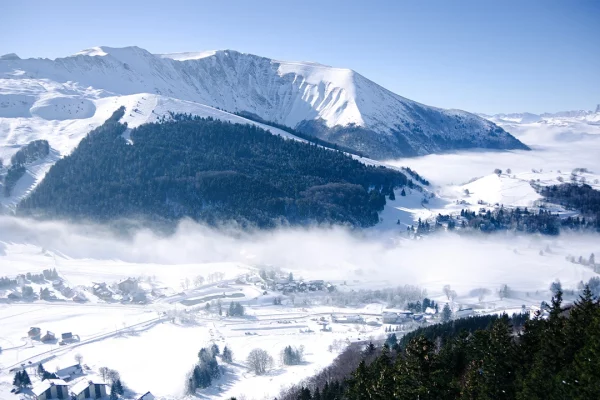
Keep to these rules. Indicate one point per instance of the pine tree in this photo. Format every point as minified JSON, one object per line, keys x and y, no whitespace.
{"x":17,"y":379}
{"x":25,"y":380}
{"x":446,"y":313}
{"x":227,"y":355}
{"x":114,"y":393}
{"x":402,"y":193}
{"x":119,"y":387}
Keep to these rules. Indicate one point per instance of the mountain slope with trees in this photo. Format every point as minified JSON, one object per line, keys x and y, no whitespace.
{"x":211,"y":171}
{"x":512,"y":358}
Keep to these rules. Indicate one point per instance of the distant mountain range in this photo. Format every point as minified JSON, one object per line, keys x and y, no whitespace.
{"x":334,"y":104}
{"x":580,"y":116}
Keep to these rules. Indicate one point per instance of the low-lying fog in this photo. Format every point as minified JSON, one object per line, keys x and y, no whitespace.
{"x":553,"y":148}
{"x":465,"y":262}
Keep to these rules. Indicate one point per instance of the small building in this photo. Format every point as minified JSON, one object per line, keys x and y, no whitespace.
{"x":128,"y":285}
{"x":348,"y":319}
{"x":465,"y":312}
{"x":34,"y":333}
{"x":48,"y":337}
{"x":88,"y":389}
{"x":51,"y":389}
{"x":69,"y":373}
{"x":147,"y":396}
{"x":395,"y":316}
{"x":15,"y":296}
{"x":80,"y":298}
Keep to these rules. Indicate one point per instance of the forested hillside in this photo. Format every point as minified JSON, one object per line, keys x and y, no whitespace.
{"x":557,"y":357}
{"x":210,"y":171}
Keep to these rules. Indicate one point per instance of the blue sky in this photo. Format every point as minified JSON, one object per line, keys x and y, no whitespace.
{"x":480,"y":56}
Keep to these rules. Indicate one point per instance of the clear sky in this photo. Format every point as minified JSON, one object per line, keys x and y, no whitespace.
{"x":480,"y":55}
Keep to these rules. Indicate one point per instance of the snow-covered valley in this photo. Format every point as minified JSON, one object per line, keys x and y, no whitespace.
{"x":152,"y":335}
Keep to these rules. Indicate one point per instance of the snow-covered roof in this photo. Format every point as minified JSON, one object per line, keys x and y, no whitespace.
{"x":84,"y":383}
{"x":45,"y":385}
{"x":147,"y":396}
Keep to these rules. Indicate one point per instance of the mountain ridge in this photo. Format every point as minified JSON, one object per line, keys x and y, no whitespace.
{"x":334,"y":104}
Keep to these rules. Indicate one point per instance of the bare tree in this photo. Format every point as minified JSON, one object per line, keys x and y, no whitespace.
{"x":447,"y":291}
{"x":103,"y":373}
{"x":78,"y":358}
{"x":259,"y":361}
{"x":199,"y":281}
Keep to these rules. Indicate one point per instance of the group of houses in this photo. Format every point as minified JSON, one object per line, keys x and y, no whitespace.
{"x":291,"y":286}
{"x":390,"y":316}
{"x":35,"y":333}
{"x":72,"y":384}
{"x":126,"y":291}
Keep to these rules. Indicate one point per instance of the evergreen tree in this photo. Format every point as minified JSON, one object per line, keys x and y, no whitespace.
{"x":227,"y":355}
{"x":446,"y":313}
{"x":119,"y":387}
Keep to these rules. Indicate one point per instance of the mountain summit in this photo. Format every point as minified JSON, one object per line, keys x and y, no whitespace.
{"x":335,"y":104}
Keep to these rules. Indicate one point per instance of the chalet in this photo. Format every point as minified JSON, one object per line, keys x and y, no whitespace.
{"x":51,"y":389}
{"x":146,"y":396}
{"x":48,"y":337}
{"x":88,"y":389}
{"x":69,"y":373}
{"x":34,"y":333}
{"x":128,"y":285}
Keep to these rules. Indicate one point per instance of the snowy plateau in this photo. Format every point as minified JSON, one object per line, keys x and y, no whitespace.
{"x":145,"y":305}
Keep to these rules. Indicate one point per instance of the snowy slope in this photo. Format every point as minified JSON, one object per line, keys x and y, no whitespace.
{"x":64,"y":126}
{"x":334,"y":103}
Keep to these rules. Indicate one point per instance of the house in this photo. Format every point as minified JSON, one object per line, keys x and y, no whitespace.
{"x":48,"y":337}
{"x":430,"y":311}
{"x":395,"y":316}
{"x":69,"y":373}
{"x":80,"y":298}
{"x":100,"y":290}
{"x":34,"y":333}
{"x":88,"y":389}
{"x":465,"y":312}
{"x":51,"y":389}
{"x":15,"y":296}
{"x":147,"y":396}
{"x":128,"y":285}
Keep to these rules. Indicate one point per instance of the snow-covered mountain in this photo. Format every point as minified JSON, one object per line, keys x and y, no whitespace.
{"x":561,"y":117}
{"x":335,"y":104}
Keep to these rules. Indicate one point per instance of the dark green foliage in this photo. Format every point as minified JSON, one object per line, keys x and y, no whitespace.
{"x":210,"y":171}
{"x":227,"y":355}
{"x":292,"y":355}
{"x":204,"y":371}
{"x":119,"y":387}
{"x":31,"y":152}
{"x":14,"y":173}
{"x":579,"y":197}
{"x":49,"y":375}
{"x":21,"y":379}
{"x":235,"y":309}
{"x":519,"y":220}
{"x":306,"y":136}
{"x":482,"y":358}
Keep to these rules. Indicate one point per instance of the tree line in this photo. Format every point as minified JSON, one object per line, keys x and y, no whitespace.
{"x":210,"y":171}
{"x":492,"y":357}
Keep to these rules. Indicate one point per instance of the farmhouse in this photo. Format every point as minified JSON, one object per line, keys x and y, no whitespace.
{"x":34,"y":333}
{"x":128,"y":285}
{"x":51,"y":389}
{"x":69,"y":373}
{"x":146,"y":396}
{"x":48,"y":337}
{"x":88,"y":389}
{"x":395,"y":316}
